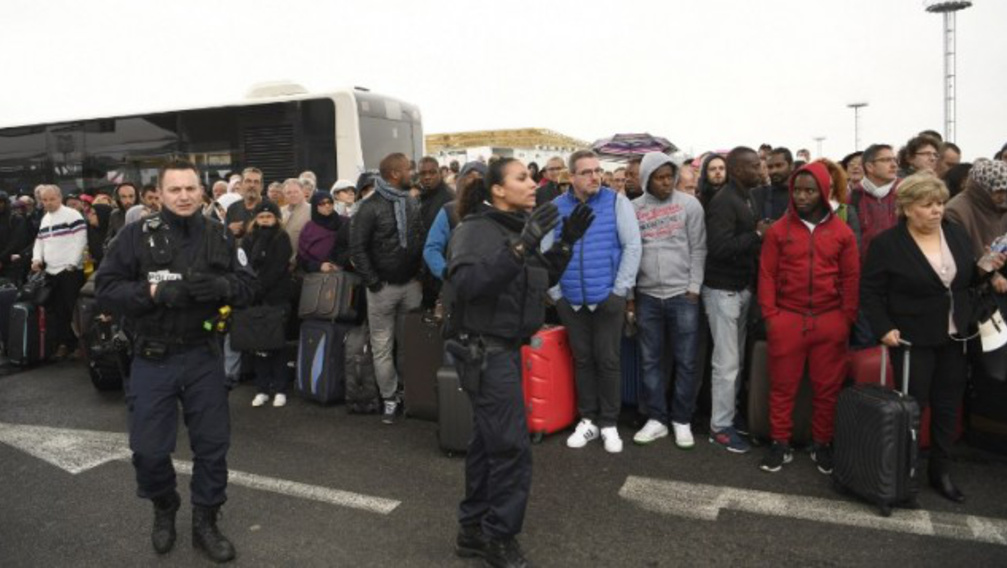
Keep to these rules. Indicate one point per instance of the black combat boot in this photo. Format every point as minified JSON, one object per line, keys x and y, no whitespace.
{"x":505,"y":553}
{"x":470,"y":541}
{"x":206,"y":536}
{"x":163,"y":533}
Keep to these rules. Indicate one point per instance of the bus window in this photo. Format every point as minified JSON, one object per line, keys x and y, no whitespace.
{"x":387,"y":126}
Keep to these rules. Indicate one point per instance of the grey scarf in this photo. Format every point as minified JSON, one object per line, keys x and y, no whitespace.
{"x":399,"y":199}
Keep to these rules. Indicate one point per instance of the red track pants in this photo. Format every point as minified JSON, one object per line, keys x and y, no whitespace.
{"x":821,"y":342}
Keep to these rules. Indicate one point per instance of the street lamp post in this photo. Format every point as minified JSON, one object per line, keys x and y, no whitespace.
{"x":856,"y":123}
{"x":818,"y":140}
{"x":948,"y":8}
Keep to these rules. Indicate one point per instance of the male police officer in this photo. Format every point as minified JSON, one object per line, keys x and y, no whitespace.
{"x":169,"y":274}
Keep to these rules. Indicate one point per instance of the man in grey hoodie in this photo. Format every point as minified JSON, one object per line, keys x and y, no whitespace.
{"x":668,"y":284}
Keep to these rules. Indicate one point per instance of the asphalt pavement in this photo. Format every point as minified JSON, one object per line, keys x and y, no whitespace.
{"x":587,"y":508}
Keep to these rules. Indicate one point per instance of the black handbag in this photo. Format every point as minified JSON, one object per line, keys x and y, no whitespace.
{"x":259,"y":328}
{"x":37,"y":289}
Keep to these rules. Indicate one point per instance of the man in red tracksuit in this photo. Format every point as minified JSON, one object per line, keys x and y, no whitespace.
{"x":809,"y":277}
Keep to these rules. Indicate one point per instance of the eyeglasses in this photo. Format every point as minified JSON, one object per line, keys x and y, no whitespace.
{"x":596,"y":171}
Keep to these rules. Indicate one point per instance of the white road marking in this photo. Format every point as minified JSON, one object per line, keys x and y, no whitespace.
{"x":76,"y":451}
{"x":704,"y":502}
{"x":303,"y":490}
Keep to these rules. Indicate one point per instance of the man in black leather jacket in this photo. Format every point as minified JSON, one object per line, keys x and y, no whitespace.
{"x":386,"y":248}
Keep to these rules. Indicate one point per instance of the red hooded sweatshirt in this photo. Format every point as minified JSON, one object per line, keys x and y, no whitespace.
{"x":809,"y":272}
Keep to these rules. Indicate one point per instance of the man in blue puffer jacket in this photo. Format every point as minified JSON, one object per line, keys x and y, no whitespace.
{"x":591,"y":298}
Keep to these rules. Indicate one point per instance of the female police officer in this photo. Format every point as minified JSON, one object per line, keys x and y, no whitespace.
{"x":168,"y":274}
{"x":497,"y":282}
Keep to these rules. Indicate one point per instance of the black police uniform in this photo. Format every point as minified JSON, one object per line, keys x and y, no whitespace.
{"x":176,"y":358}
{"x":499,"y":302}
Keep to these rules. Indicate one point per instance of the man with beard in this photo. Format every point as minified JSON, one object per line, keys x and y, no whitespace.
{"x":633,"y":189}
{"x":125,"y":197}
{"x":734,"y":236}
{"x":434,"y":194}
{"x":712,"y":177}
{"x":771,"y":201}
{"x":13,"y":241}
{"x":386,"y":247}
{"x":241,"y":212}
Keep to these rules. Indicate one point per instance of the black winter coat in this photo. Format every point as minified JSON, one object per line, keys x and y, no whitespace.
{"x":899,"y":289}
{"x":731,"y":241}
{"x":374,"y":241}
{"x":269,"y":255}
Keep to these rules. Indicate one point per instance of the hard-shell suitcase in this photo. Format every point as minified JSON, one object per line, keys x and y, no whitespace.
{"x":454,"y":412}
{"x":333,"y":296}
{"x":758,"y":400}
{"x":420,"y":355}
{"x":866,"y":368}
{"x":547,"y":379}
{"x":362,"y":396}
{"x":8,"y":295}
{"x":321,"y":361}
{"x":27,"y":335}
{"x":875,"y":443}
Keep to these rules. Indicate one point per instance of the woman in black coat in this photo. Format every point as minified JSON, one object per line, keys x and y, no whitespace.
{"x":918,"y":285}
{"x":268,"y":251}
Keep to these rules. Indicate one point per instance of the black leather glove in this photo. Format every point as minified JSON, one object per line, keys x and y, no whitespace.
{"x":173,"y":294}
{"x":376,"y":286}
{"x":541,"y":221}
{"x":209,"y":288}
{"x":576,"y":224}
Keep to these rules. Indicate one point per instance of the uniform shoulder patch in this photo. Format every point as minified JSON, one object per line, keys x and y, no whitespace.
{"x":242,"y":257}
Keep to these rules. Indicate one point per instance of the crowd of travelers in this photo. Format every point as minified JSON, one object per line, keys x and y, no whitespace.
{"x":698,"y":257}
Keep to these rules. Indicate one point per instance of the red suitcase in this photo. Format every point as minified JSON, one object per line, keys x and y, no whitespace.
{"x":865,"y":368}
{"x":548,"y":382}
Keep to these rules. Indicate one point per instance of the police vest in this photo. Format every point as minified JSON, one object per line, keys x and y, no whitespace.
{"x":590,"y":276}
{"x":519,"y":311}
{"x":162,"y":260}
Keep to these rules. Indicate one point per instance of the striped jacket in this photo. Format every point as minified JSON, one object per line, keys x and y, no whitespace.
{"x":62,"y":237}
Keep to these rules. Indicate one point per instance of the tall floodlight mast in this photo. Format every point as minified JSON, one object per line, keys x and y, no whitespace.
{"x":948,"y":8}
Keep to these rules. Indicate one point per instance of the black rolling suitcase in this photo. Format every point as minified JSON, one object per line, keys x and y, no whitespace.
{"x":8,"y":295}
{"x":454,"y":409}
{"x":420,"y":355}
{"x":876,"y":442}
{"x":321,"y":361}
{"x":26,"y":338}
{"x":108,"y":353}
{"x":362,"y":396}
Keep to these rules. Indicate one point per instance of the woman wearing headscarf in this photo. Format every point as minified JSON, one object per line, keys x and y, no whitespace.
{"x":268,"y":249}
{"x":98,"y":220}
{"x":315,"y":246}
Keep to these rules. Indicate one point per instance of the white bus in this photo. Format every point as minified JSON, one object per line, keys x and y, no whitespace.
{"x":279,"y":128}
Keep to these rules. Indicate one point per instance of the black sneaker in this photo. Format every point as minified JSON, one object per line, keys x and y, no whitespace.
{"x":391,"y":411}
{"x":821,"y":454}
{"x":471,"y":542}
{"x":779,"y":454}
{"x":505,"y":553}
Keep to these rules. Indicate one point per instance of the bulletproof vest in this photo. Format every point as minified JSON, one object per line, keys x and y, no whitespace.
{"x":519,"y":311}
{"x":163,"y":259}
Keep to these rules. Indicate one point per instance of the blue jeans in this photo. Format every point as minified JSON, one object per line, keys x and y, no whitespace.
{"x":657,"y":319}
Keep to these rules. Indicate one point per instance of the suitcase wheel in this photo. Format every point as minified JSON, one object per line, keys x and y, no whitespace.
{"x":536,"y":437}
{"x":885,"y":510}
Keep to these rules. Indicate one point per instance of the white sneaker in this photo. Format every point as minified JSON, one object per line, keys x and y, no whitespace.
{"x":279,"y":400}
{"x":651,"y":431}
{"x":260,"y":399}
{"x":584,"y":433}
{"x":613,"y":443}
{"x":683,"y":436}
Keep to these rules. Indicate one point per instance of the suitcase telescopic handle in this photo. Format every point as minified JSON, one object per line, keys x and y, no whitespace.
{"x":905,"y":364}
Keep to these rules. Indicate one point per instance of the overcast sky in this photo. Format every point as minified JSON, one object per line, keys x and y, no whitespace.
{"x":705,"y":74}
